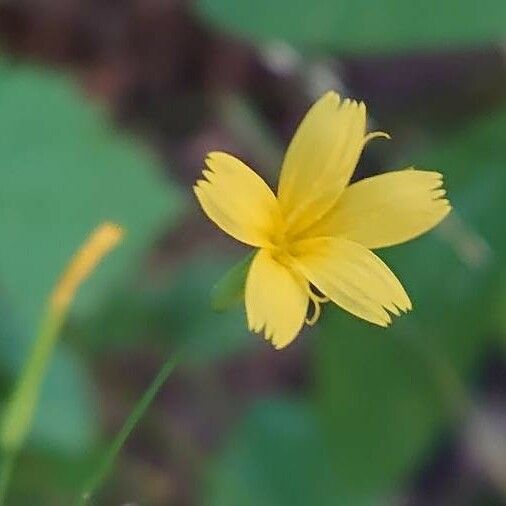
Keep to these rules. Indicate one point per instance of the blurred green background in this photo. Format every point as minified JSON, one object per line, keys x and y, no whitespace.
{"x":107,"y":110}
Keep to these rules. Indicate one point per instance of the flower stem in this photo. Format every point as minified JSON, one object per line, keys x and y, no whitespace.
{"x":20,"y":409}
{"x":106,"y":462}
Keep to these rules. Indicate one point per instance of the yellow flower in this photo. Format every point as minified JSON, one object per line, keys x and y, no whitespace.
{"x":315,"y":237}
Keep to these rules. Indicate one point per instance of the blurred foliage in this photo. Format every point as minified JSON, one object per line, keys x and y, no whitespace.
{"x":277,"y":455}
{"x":175,"y":310}
{"x":361,"y":25}
{"x":63,"y":172}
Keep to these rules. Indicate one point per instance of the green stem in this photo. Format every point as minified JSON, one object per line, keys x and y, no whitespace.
{"x":19,"y":412}
{"x":21,"y":407}
{"x":107,"y":461}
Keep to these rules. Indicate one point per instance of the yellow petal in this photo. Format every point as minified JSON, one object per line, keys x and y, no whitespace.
{"x":388,"y":209}
{"x":276,"y":300}
{"x":321,"y":159}
{"x":238,"y":200}
{"x":352,"y":277}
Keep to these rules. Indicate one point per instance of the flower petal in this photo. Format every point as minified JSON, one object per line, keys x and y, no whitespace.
{"x":276,"y":300}
{"x":321,"y":159}
{"x":238,"y":200}
{"x":352,"y":277}
{"x":388,"y":209}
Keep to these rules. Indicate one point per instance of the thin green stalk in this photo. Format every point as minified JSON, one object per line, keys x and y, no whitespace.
{"x":107,"y":461}
{"x":21,"y":407}
{"x":19,"y":412}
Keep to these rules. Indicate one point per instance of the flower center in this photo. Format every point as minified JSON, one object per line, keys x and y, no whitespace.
{"x":280,"y":246}
{"x":281,"y":252}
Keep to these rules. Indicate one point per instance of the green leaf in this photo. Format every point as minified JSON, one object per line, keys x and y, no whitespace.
{"x":381,"y":404}
{"x":66,"y":418}
{"x":476,"y":233}
{"x":229,"y":290}
{"x":63,"y":171}
{"x":458,"y":154}
{"x":276,"y":456}
{"x":361,"y":25}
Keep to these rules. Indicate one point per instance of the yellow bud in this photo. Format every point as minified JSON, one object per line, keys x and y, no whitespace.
{"x":97,"y":246}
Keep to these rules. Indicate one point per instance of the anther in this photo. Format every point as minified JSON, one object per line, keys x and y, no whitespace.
{"x":375,"y":135}
{"x":316,"y":315}
{"x":316,"y":300}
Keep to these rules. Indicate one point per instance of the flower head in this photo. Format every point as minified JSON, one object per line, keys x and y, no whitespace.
{"x":315,"y":237}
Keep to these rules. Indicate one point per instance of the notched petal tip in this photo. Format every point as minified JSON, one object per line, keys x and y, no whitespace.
{"x":279,"y":343}
{"x":199,"y":190}
{"x":384,"y":323}
{"x":405,"y":309}
{"x":446,"y":208}
{"x":394,"y":309}
{"x":404,"y":305}
{"x":401,"y":304}
{"x":212,"y":155}
{"x":213,"y":158}
{"x":254,"y":325}
{"x":208,"y":173}
{"x":437,"y":194}
{"x":200,"y":186}
{"x":432,"y":179}
{"x":331,"y":95}
{"x":269,"y":334}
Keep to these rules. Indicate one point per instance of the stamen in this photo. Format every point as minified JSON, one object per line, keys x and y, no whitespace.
{"x":316,"y":315}
{"x":316,"y":300}
{"x":374,"y":135}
